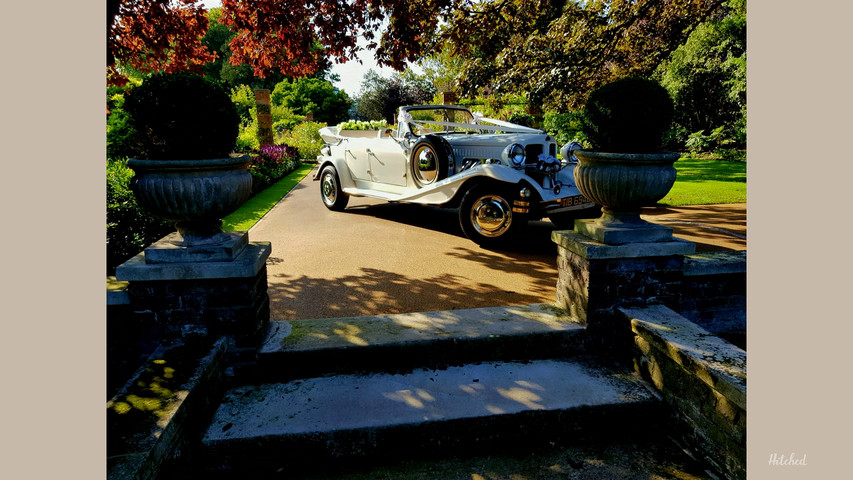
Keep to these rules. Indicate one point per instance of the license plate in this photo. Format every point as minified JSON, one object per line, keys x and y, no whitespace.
{"x":574,"y":200}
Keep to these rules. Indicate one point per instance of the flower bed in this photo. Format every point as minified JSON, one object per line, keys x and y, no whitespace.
{"x":270,"y":164}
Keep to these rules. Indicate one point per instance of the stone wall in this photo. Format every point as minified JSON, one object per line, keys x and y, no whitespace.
{"x":128,"y":341}
{"x":595,"y":279}
{"x":597,"y":287}
{"x":714,"y":294}
{"x":702,"y":377}
{"x":155,"y":421}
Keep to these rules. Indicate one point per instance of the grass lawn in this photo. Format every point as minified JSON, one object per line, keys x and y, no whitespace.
{"x":258,"y":206}
{"x":705,"y":181}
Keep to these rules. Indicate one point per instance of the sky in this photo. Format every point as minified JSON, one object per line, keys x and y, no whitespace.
{"x":352,"y":72}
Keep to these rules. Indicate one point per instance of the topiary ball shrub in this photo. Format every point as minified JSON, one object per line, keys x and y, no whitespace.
{"x":629,"y":115}
{"x":181,"y":116}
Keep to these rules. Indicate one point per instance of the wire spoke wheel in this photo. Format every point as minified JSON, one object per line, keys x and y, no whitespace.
{"x":330,"y":190}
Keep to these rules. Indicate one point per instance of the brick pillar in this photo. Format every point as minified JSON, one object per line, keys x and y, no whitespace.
{"x":199,"y":297}
{"x":262,"y":100}
{"x":448,"y":98}
{"x":595,"y":279}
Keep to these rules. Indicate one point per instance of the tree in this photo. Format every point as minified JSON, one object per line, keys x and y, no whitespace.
{"x":155,"y":35}
{"x":218,"y":41}
{"x":292,"y":37}
{"x":707,"y":78}
{"x":311,"y":95}
{"x":560,"y":50}
{"x":380,"y":97}
{"x":443,"y":70}
{"x":555,"y":50}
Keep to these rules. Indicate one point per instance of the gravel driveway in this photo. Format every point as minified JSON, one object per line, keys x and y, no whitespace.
{"x":380,"y":258}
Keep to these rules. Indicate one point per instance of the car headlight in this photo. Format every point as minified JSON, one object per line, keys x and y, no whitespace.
{"x":568,"y":152}
{"x":514,"y":154}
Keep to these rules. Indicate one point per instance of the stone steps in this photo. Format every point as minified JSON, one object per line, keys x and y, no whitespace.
{"x":467,"y":409}
{"x":374,"y":390}
{"x":402,"y":342}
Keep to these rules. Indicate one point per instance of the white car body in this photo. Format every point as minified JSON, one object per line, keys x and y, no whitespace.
{"x":440,"y":152}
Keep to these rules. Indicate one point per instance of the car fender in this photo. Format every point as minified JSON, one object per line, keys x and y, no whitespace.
{"x":344,"y":174}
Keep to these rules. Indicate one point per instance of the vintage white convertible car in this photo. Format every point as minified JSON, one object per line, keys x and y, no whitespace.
{"x":499,"y":174}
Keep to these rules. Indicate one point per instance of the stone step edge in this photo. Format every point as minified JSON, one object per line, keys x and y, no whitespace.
{"x":517,"y":433}
{"x":405,"y":328}
{"x":525,"y":332}
{"x":405,"y":357}
{"x":625,"y":400}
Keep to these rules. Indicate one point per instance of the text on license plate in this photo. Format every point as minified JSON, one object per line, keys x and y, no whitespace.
{"x":574,"y":200}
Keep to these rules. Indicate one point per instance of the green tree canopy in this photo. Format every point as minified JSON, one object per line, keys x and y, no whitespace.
{"x":443,"y":70}
{"x":558,"y":51}
{"x":315,"y":96}
{"x":707,"y":77}
{"x":380,"y":97}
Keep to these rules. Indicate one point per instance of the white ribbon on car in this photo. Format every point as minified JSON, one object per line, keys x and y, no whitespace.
{"x":491,"y":128}
{"x":405,"y":117}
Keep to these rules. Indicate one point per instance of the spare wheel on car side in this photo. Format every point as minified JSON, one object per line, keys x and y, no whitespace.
{"x":429,"y":161}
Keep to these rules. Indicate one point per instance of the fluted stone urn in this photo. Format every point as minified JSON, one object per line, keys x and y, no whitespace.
{"x":196,"y":194}
{"x":623,"y":183}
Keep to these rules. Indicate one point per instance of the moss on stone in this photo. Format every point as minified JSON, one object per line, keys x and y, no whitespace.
{"x":340,"y":329}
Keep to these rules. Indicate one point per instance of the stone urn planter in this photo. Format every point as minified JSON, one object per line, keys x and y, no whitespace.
{"x":184,"y":172}
{"x":623,"y":183}
{"x":196,"y":194}
{"x":625,"y":122}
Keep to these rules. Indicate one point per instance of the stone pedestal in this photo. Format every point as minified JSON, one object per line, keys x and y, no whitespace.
{"x":595,"y":279}
{"x":169,"y":250}
{"x":619,"y":231}
{"x":207,"y":291}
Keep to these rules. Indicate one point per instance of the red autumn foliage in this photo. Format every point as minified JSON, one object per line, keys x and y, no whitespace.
{"x":155,"y":35}
{"x":295,"y":37}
